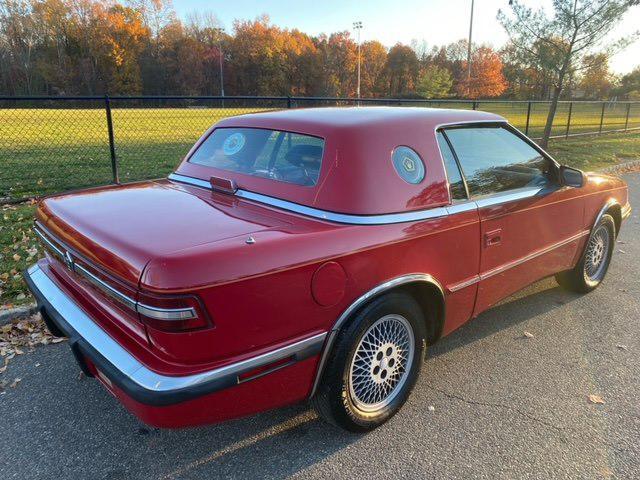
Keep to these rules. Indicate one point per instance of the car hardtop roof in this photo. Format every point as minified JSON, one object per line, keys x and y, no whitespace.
{"x":328,"y":118}
{"x":357,"y":157}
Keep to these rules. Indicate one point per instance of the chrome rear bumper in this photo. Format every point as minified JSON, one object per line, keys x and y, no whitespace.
{"x":131,"y":376}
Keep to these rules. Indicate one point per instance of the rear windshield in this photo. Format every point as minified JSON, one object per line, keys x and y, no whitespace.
{"x":282,"y":156}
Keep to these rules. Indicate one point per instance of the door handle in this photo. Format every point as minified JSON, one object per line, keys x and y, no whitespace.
{"x":494,"y":237}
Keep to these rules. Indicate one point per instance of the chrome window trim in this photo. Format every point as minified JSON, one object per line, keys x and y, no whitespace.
{"x":463,"y":206}
{"x":197,"y":182}
{"x":177,"y":314}
{"x":349,"y":219}
{"x":382,"y":219}
{"x":127,"y":365}
{"x":507,"y":196}
{"x":415,"y":277}
{"x":344,"y":218}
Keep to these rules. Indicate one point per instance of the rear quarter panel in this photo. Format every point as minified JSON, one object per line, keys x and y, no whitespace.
{"x":251,"y":312}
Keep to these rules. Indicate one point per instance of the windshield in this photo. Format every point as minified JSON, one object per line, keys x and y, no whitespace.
{"x":278,"y":155}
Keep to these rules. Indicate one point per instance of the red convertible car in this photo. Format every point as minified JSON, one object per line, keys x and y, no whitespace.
{"x":312,"y":254}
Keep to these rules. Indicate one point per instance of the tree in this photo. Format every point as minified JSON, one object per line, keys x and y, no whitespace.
{"x":339,"y":57}
{"x":374,"y":58}
{"x":577,"y":28}
{"x":630,"y":85}
{"x":401,"y":70}
{"x":20,"y":37}
{"x":597,"y":81}
{"x":486,"y":79}
{"x":434,"y":82}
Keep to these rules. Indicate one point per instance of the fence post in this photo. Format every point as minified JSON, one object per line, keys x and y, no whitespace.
{"x":289,"y":101}
{"x":602,"y":117}
{"x":475,"y":105}
{"x":626,"y":120}
{"x":112,"y":146}
{"x":526,"y":128}
{"x":566,"y":135}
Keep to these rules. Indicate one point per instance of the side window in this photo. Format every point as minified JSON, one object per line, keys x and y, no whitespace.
{"x":495,"y":160}
{"x":456,"y":184}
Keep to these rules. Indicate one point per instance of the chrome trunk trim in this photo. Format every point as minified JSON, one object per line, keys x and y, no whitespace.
{"x":69,"y":259}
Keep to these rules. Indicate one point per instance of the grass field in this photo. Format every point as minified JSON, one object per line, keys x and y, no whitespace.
{"x":19,"y":248}
{"x":55,"y":149}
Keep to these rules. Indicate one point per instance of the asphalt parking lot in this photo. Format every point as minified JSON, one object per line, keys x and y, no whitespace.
{"x":504,"y":405}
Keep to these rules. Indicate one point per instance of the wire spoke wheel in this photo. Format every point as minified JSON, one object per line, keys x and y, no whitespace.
{"x":597,"y":253}
{"x":381,"y":363}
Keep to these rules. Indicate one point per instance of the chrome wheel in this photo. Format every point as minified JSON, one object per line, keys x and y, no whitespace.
{"x":597,"y":253}
{"x":381,"y":363}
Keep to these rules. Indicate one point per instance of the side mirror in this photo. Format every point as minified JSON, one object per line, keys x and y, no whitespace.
{"x":571,"y":177}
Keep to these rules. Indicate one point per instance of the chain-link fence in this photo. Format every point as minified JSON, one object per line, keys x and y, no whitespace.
{"x":54,"y":144}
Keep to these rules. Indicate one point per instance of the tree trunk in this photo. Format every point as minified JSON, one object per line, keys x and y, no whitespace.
{"x":552,"y":113}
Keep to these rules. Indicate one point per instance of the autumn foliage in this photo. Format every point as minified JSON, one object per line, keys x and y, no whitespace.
{"x":486,"y":80}
{"x":80,"y":47}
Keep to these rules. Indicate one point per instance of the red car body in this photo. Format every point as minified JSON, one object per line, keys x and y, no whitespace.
{"x":272,"y":270}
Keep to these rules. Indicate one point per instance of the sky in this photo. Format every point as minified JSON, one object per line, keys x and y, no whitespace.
{"x":391,"y":21}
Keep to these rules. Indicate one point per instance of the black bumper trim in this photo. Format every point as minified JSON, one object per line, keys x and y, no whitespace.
{"x":200,"y":384}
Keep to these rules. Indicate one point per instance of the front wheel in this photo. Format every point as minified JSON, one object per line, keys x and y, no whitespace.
{"x":374,"y":364}
{"x":593,"y":266}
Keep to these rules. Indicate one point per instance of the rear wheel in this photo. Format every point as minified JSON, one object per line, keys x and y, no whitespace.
{"x":374,"y":364}
{"x":593,"y":265}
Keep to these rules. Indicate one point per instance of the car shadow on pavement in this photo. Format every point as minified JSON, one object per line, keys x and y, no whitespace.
{"x":80,"y":431}
{"x":537,"y":299}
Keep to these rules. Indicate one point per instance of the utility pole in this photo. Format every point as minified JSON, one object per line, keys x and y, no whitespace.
{"x":220,"y":32}
{"x":469,"y":51}
{"x":358,"y":27}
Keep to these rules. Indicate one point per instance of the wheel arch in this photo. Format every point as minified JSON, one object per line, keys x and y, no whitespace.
{"x":613,"y":208}
{"x":424,"y":288}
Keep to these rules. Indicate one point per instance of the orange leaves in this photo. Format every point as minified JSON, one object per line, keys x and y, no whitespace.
{"x":487,"y":79}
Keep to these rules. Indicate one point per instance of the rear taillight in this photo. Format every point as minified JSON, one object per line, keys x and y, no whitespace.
{"x":172,"y":313}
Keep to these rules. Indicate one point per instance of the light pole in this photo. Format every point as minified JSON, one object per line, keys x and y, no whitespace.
{"x":358,"y":27}
{"x":220,"y":32}
{"x":469,"y":51}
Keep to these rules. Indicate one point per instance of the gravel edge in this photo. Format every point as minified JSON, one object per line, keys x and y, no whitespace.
{"x":7,"y":316}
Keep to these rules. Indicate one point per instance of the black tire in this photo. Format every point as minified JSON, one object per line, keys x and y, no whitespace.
{"x":334,"y":400}
{"x":579,"y":279}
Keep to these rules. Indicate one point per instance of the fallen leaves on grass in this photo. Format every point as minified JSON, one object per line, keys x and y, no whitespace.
{"x":23,"y":336}
{"x":597,"y":399}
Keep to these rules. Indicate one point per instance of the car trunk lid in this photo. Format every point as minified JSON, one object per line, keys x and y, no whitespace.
{"x":119,"y":229}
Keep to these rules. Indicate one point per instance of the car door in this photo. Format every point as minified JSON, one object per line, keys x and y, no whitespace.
{"x":530,"y":225}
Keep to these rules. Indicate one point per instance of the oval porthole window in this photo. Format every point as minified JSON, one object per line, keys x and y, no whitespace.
{"x":408,"y":164}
